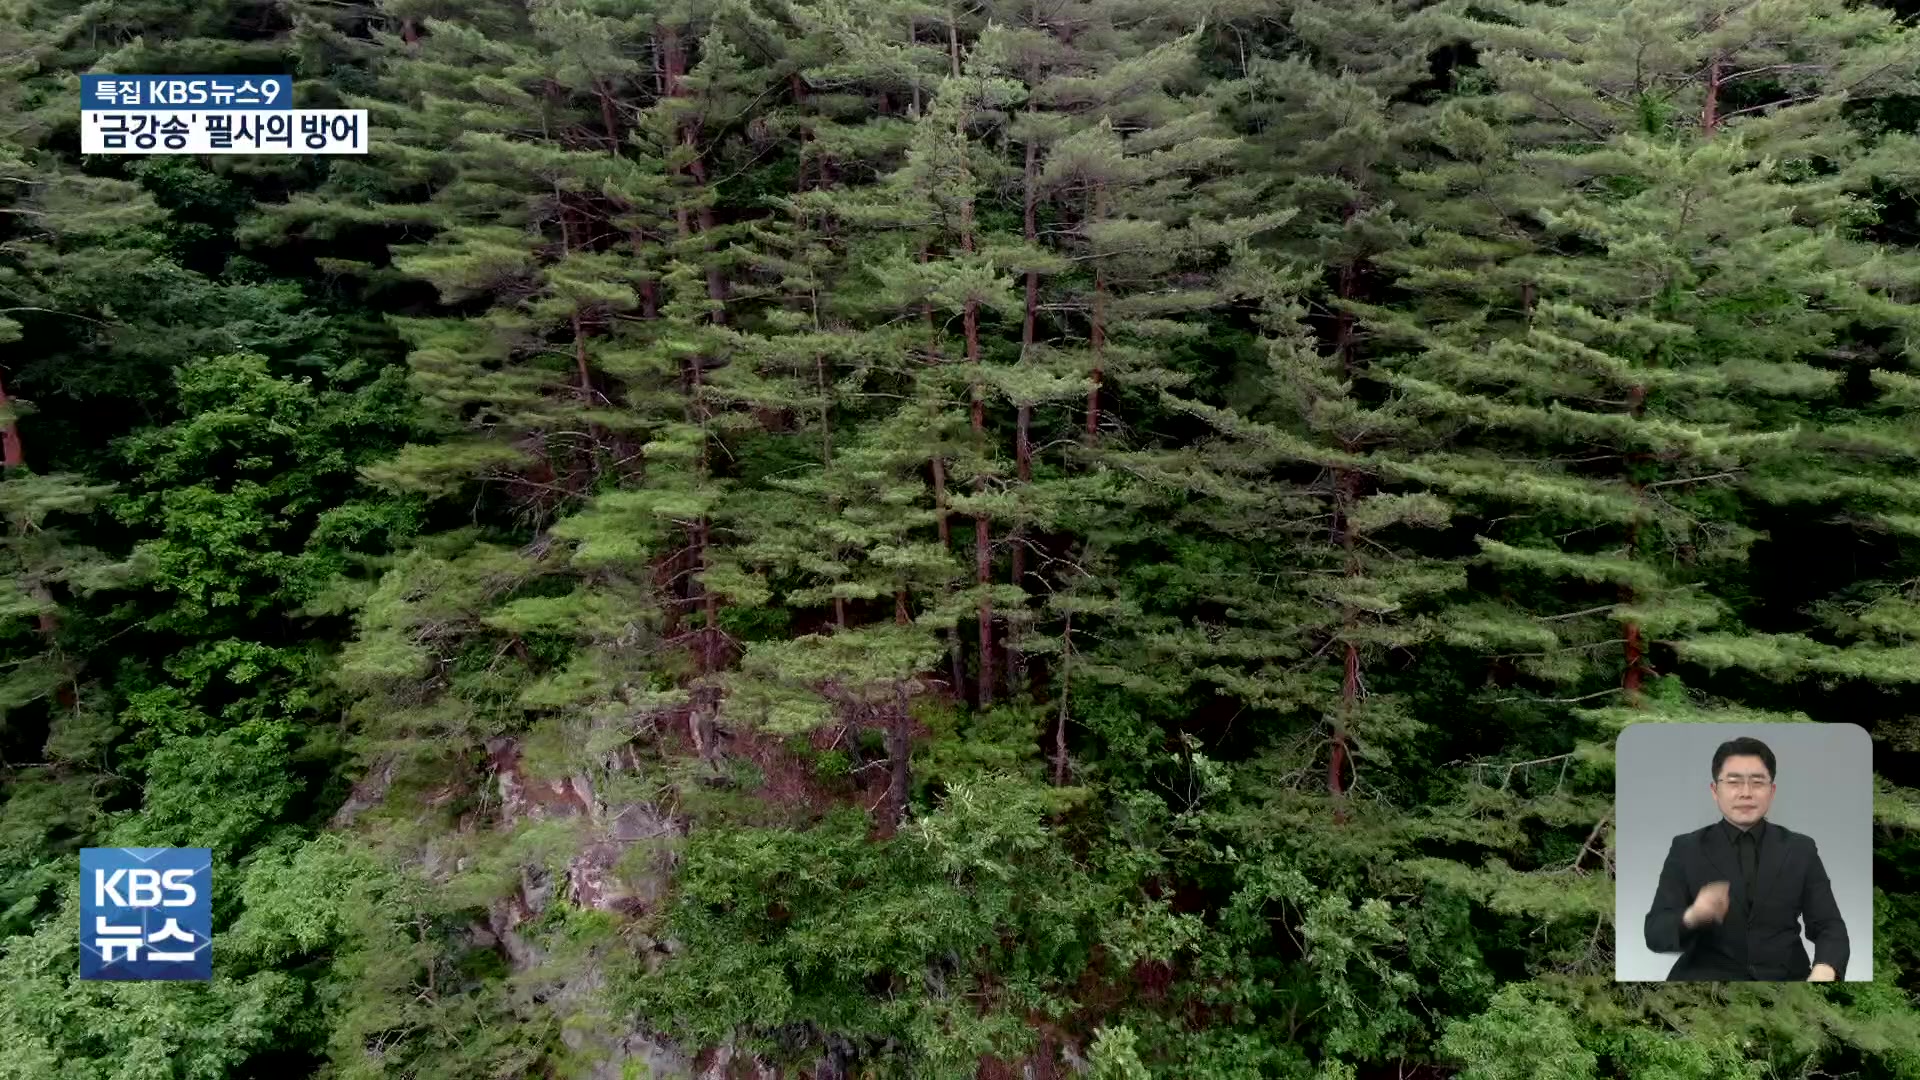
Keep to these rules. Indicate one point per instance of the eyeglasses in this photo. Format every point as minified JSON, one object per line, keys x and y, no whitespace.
{"x":1744,"y":783}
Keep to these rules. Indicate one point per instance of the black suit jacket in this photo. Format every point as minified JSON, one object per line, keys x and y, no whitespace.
{"x":1762,"y":943}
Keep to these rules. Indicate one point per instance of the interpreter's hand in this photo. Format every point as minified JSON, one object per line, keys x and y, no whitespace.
{"x":1822,"y":973}
{"x":1708,"y":907}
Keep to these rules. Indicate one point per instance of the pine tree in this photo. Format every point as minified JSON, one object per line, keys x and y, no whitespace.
{"x":948,"y":170}
{"x":1659,"y":348}
{"x":1635,"y":295}
{"x":1331,"y":141}
{"x":1140,"y":178}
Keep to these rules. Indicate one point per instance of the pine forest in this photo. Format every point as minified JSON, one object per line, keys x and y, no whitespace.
{"x":1002,"y":539}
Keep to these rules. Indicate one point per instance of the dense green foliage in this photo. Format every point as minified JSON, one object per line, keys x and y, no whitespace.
{"x":839,"y":539}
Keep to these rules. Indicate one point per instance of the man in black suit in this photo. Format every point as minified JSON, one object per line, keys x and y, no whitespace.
{"x":1732,"y":895}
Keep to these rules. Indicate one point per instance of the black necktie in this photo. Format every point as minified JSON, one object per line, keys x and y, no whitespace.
{"x":1749,"y":861}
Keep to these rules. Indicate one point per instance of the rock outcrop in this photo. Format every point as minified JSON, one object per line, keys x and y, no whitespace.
{"x":600,"y":876}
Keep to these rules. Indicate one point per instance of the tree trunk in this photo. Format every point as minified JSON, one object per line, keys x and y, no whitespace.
{"x":1632,"y":679}
{"x":1349,"y":286}
{"x":11,"y":451}
{"x":982,"y":530}
{"x":900,"y":759}
{"x":1023,"y":422}
{"x":1346,"y":493}
{"x":951,"y":633}
{"x":946,"y":544}
{"x":799,"y":88}
{"x":607,"y":116}
{"x":701,"y":559}
{"x":1097,"y":336}
{"x":580,"y":359}
{"x":1346,"y":489}
{"x":706,"y":648}
{"x":826,"y":409}
{"x":673,"y":62}
{"x":1710,"y":112}
{"x":13,"y":456}
{"x":1060,"y":722}
{"x":716,"y":278}
{"x":1337,"y":760}
{"x":826,"y":465}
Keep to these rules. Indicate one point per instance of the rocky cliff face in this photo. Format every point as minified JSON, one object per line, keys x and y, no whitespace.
{"x":595,"y":880}
{"x":599,"y":876}
{"x":621,"y":862}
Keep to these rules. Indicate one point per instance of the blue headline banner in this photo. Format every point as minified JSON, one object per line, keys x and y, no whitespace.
{"x":224,"y":92}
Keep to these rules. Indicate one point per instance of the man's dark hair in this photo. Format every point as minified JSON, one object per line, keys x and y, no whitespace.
{"x":1743,"y":747}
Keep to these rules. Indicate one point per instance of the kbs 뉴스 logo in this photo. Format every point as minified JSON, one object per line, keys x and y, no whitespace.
{"x":146,"y":913}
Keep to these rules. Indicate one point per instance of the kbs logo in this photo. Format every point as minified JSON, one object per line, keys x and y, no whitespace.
{"x":146,"y":913}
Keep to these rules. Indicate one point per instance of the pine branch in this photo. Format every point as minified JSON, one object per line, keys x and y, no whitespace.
{"x":1692,"y":479}
{"x":1601,"y":610}
{"x":1559,"y":701}
{"x":1507,"y":778}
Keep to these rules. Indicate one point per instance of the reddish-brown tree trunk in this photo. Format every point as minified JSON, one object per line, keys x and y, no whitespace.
{"x":673,"y":60}
{"x":13,"y":456}
{"x":11,"y":451}
{"x":1337,"y":760}
{"x":1631,"y":681}
{"x":1710,"y":112}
